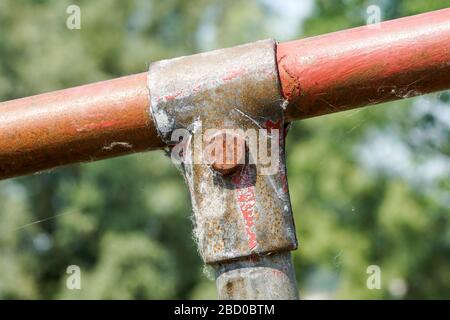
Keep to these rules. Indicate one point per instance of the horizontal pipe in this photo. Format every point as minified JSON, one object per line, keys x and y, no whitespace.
{"x":366,"y":65}
{"x":86,"y":123}
{"x":319,"y":75}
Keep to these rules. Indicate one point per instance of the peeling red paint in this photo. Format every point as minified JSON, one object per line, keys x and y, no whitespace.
{"x":233,"y":75}
{"x":245,"y":197}
{"x":171,"y":97}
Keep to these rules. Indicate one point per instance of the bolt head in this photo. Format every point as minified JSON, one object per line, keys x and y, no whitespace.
{"x":228,"y":152}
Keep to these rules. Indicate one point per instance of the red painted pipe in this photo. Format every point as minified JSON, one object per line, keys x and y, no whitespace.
{"x":85,"y":123}
{"x":363,"y":66}
{"x":319,"y":75}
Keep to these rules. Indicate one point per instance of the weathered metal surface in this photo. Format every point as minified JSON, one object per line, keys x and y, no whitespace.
{"x":245,"y":213}
{"x":86,"y":123}
{"x":366,"y":66}
{"x":270,"y":277}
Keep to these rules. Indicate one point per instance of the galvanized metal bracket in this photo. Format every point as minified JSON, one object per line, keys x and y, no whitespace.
{"x":247,"y":213}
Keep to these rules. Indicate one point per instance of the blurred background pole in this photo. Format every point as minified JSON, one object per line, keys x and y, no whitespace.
{"x":319,"y":75}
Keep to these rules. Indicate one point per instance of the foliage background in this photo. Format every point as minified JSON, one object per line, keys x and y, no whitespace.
{"x":369,"y":187}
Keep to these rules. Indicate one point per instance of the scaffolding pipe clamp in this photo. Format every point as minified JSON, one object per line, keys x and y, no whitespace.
{"x":222,"y":114}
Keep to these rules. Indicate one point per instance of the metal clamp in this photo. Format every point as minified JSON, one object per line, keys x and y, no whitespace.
{"x":245,"y":214}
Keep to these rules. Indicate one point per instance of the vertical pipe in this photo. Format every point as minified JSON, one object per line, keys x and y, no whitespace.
{"x":268,"y":277}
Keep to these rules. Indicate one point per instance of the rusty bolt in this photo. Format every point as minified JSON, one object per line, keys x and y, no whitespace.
{"x":228,"y":152}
